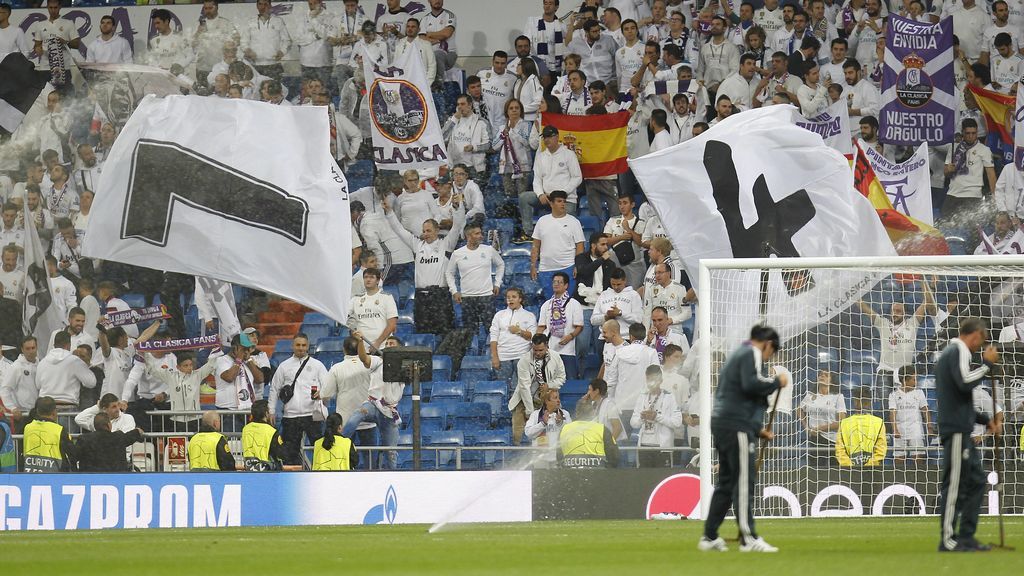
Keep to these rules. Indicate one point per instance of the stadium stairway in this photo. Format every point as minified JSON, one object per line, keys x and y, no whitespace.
{"x":280,"y":321}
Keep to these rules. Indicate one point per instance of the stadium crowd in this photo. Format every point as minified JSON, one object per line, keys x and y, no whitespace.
{"x":507,"y":255}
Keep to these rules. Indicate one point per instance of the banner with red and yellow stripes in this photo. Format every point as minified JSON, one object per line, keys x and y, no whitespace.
{"x":910,"y":236}
{"x":598,"y":140}
{"x":998,"y":110}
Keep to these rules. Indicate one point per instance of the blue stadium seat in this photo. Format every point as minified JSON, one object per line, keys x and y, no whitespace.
{"x":427,"y":460}
{"x":442,"y":368}
{"x":532,"y":289}
{"x":453,"y":390}
{"x":591,"y":365}
{"x":484,"y":388}
{"x":331,"y":344}
{"x":475,"y":368}
{"x":569,"y":401}
{"x":571,"y":365}
{"x":330,"y":358}
{"x":490,"y":459}
{"x":316,"y":332}
{"x":277,"y":357}
{"x":134,"y":300}
{"x":512,"y":251}
{"x":589,"y":223}
{"x":396,"y":294}
{"x":575,"y":387}
{"x":428,"y":340}
{"x":446,"y":458}
{"x":316,"y":318}
{"x":517,"y":268}
{"x":405,"y":314}
{"x":472,"y":416}
{"x":283,"y":346}
{"x":432,"y":414}
{"x":404,"y":330}
{"x":407,"y":290}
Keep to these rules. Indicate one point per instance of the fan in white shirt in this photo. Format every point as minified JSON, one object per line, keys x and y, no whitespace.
{"x":108,"y":47}
{"x":557,"y":238}
{"x":656,"y":416}
{"x":620,"y":303}
{"x":561,"y":317}
{"x":659,"y":125}
{"x":375,"y":313}
{"x":511,"y":333}
{"x":65,"y":295}
{"x":910,"y":417}
{"x":118,"y":356}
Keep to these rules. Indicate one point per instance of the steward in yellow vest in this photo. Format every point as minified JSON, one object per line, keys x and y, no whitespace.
{"x":861,"y":439}
{"x":262,"y":447}
{"x":586,"y":444}
{"x":334,"y":452}
{"x":208,"y":449}
{"x":46,"y":445}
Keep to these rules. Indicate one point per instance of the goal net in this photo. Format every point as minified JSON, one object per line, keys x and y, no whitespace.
{"x":860,"y":337}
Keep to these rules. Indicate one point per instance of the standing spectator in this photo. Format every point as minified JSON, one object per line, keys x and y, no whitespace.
{"x":374,"y":314}
{"x":629,"y":59}
{"x":557,"y":239}
{"x":212,"y":36}
{"x":87,"y":176}
{"x":820,"y":412}
{"x":561,"y":319}
{"x":297,"y":383}
{"x":597,"y":51}
{"x":576,"y":100}
{"x":54,"y":129}
{"x":108,"y":48}
{"x":62,"y":373}
{"x":627,"y":373}
{"x":480,"y":270}
{"x":371,"y":45}
{"x":182,"y":383}
{"x":12,"y":38}
{"x":819,"y":23}
{"x":625,"y":232}
{"x":813,"y":94}
{"x":468,"y":137}
{"x":346,"y":137}
{"x":111,"y":407}
{"x":770,"y":17}
{"x":11,"y":275}
{"x":314,"y":49}
{"x":862,"y":98}
{"x":660,"y":334}
{"x":349,"y":382}
{"x":439,"y":30}
{"x":1006,"y":63}
{"x":968,"y":166}
{"x":909,"y":417}
{"x":391,"y":24}
{"x":593,"y":272}
{"x":117,"y":352}
{"x":238,"y":378}
{"x":61,"y":289}
{"x":528,"y":89}
{"x":619,"y":302}
{"x":380,"y":408}
{"x":18,"y":389}
{"x":656,"y":416}
{"x":168,"y":48}
{"x":970,"y":22}
{"x":719,"y":57}
{"x":413,"y":41}
{"x":511,"y":334}
{"x":415,"y":205}
{"x":555,"y":168}
{"x":103,"y":449}
{"x":432,"y":312}
{"x":346,"y":35}
{"x":61,"y":198}
{"x":739,"y":86}
{"x":496,"y":85}
{"x":74,"y":330}
{"x":898,"y":336}
{"x":265,"y":41}
{"x":870,"y":27}
{"x":537,"y":371}
{"x":10,"y":231}
{"x":833,"y":68}
{"x":469,"y":194}
{"x":668,"y":294}
{"x":658,"y":125}
{"x":547,"y":33}
{"x":55,"y":35}
{"x":545,"y":425}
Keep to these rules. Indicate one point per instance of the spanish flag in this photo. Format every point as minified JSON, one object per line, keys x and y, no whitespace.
{"x":998,"y":110}
{"x":599,"y":140}
{"x":910,"y":236}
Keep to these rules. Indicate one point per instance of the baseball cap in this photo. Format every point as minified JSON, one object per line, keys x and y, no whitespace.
{"x":444,"y":179}
{"x":549,"y":131}
{"x":368,"y":26}
{"x":251,"y":330}
{"x":243,"y":341}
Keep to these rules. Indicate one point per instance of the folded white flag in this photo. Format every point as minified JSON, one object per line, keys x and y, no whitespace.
{"x":245,"y":192}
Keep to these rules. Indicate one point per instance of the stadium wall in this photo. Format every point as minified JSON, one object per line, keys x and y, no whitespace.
{"x":483,"y":25}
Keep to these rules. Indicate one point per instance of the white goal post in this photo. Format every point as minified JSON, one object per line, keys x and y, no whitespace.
{"x":831,"y":314}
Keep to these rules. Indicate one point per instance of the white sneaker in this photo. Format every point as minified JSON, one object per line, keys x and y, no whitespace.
{"x":717,"y":545}
{"x":757,"y":545}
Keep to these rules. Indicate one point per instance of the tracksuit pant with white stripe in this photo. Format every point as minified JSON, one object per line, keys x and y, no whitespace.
{"x":737,"y":458}
{"x":963,"y":487}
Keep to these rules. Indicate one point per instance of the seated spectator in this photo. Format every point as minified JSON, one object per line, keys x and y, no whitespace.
{"x":262,"y":447}
{"x":528,"y":89}
{"x":557,"y":239}
{"x":208,"y":449}
{"x":536,"y":372}
{"x":820,"y":412}
{"x":576,"y":100}
{"x":910,"y":418}
{"x":545,"y":425}
{"x":660,"y":335}
{"x":626,"y":374}
{"x":861,"y":441}
{"x":334,"y":452}
{"x":103,"y":449}
{"x":813,"y":95}
{"x":656,"y":416}
{"x":619,"y":302}
{"x":511,"y":335}
{"x":1003,"y":237}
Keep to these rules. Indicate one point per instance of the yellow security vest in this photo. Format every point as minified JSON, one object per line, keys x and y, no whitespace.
{"x":202,"y":451}
{"x":337,"y":458}
{"x":861,"y":441}
{"x":582,"y":444}
{"x":42,"y":446}
{"x":256,"y":440}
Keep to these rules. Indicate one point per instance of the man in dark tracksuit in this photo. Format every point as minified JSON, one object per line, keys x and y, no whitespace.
{"x":737,"y":420}
{"x":963,"y":479}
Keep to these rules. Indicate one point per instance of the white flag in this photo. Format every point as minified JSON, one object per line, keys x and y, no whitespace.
{"x":40,"y":313}
{"x":241,"y":191}
{"x":756,"y":180}
{"x":403,"y":119}
{"x":908,"y":185}
{"x":833,"y":125}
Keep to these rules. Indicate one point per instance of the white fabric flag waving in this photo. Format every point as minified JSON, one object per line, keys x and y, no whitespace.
{"x":403,"y":118}
{"x":833,"y":125}
{"x":245,"y":192}
{"x":756,"y":180}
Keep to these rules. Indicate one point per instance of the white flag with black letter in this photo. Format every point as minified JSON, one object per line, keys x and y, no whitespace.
{"x":404,"y":123}
{"x":40,"y":315}
{"x":245,"y":192}
{"x":757,"y":182}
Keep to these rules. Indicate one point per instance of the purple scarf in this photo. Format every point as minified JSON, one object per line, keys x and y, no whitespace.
{"x":960,"y":157}
{"x":558,"y":315}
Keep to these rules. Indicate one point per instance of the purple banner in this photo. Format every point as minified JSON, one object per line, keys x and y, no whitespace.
{"x":136,"y":315}
{"x":177,"y":344}
{"x":918,"y":98}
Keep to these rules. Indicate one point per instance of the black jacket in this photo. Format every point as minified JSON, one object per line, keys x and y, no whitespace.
{"x":741,"y":398}
{"x":104,"y":451}
{"x":956,"y":376}
{"x":10,"y":322}
{"x":586,"y":266}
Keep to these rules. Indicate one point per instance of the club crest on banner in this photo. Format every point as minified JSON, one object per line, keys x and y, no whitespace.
{"x":913,"y":85}
{"x":398,"y":108}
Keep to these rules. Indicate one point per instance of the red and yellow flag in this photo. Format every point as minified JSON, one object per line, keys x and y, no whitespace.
{"x":998,"y":110}
{"x":599,"y":140}
{"x":910,"y":236}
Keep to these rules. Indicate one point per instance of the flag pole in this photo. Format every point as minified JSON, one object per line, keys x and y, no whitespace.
{"x":999,"y":453}
{"x":763,"y":311}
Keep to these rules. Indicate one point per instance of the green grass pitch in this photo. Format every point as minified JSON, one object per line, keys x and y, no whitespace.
{"x":809,"y":547}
